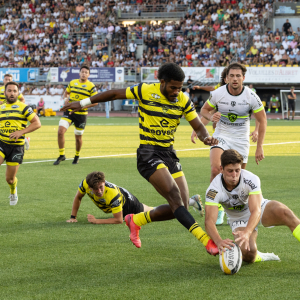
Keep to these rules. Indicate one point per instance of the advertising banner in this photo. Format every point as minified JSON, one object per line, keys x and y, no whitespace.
{"x":96,"y":74}
{"x":20,"y":74}
{"x":54,"y":102}
{"x":272,"y":75}
{"x":53,"y":75}
{"x":197,"y":74}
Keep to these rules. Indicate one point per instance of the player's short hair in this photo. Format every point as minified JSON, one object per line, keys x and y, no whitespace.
{"x":223,"y":76}
{"x":8,"y":75}
{"x":94,"y":178}
{"x":237,"y":66}
{"x":170,"y":71}
{"x":231,"y":156}
{"x":12,"y":83}
{"x":85,"y":67}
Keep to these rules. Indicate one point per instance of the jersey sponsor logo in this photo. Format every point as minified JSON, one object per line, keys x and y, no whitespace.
{"x":233,"y":103}
{"x":15,"y":106}
{"x":163,"y":132}
{"x":235,"y":197}
{"x":30,"y":110}
{"x":116,"y":203}
{"x":224,"y":103}
{"x":151,"y":104}
{"x":238,"y":207}
{"x":250,"y":183}
{"x":3,"y":106}
{"x":81,"y":125}
{"x":211,"y":194}
{"x":221,"y":141}
{"x":84,"y":85}
{"x":165,"y":109}
{"x":164,"y":123}
{"x":76,"y":83}
{"x":17,"y":157}
{"x":232,"y":117}
{"x":7,"y":114}
{"x":76,"y":97}
{"x":244,"y":102}
{"x":155,"y":96}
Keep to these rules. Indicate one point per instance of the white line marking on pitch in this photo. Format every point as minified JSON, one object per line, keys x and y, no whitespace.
{"x":128,"y":154}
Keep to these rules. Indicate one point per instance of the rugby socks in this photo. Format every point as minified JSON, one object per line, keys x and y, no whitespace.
{"x":258,"y":257}
{"x":142,"y":218}
{"x":276,"y":110}
{"x":13,"y":186}
{"x":186,"y":219}
{"x":296,"y":233}
{"x":77,"y":153}
{"x":62,"y":151}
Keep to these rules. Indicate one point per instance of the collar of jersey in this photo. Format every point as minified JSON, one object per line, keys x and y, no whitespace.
{"x":223,"y":182}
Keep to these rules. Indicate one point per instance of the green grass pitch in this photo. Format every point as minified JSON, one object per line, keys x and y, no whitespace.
{"x":43,"y":257}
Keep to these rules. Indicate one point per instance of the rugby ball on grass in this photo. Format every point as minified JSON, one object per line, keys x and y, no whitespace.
{"x":231,"y":260}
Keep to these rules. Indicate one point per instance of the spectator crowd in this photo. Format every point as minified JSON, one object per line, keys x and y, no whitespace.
{"x":48,"y":33}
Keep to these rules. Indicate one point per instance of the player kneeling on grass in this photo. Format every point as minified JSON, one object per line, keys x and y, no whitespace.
{"x":13,"y":120}
{"x":109,"y":197}
{"x":240,"y":194}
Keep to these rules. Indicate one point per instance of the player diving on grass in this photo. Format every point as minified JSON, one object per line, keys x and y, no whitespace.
{"x":13,"y":121}
{"x":161,"y":106}
{"x":8,"y":78}
{"x":77,"y":90}
{"x":239,"y":192}
{"x":111,"y":198}
{"x":234,"y":104}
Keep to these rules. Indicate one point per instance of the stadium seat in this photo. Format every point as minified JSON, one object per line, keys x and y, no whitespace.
{"x":288,"y":65}
{"x":295,"y":66}
{"x":264,"y":103}
{"x":260,"y":66}
{"x":267,"y":65}
{"x":246,"y":66}
{"x":274,"y":66}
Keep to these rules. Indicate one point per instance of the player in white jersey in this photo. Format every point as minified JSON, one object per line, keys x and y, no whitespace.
{"x":239,"y":191}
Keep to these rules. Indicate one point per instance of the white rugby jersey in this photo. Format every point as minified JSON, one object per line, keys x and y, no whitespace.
{"x":235,"y":201}
{"x":235,"y":110}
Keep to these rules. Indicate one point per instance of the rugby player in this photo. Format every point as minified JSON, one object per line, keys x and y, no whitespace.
{"x":7,"y":78}
{"x":161,"y":105}
{"x":239,"y":191}
{"x":77,"y":90}
{"x":13,"y":120}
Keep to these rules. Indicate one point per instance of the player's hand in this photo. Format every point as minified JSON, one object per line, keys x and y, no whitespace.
{"x":215,"y":117}
{"x":91,"y":219}
{"x":254,"y":136}
{"x":227,"y":243}
{"x":259,"y":154}
{"x":193,"y":137}
{"x":15,"y":135}
{"x":1,"y":102}
{"x":75,"y":106}
{"x":66,"y":101}
{"x":242,"y":238}
{"x":196,"y":87}
{"x":72,"y":221}
{"x":210,"y":141}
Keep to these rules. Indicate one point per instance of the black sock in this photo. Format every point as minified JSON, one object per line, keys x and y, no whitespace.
{"x":184,"y":217}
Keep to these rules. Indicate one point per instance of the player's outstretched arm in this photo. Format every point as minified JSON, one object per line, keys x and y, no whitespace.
{"x":204,"y":88}
{"x":75,"y":207}
{"x":101,"y":97}
{"x":204,"y":122}
{"x":35,"y":124}
{"x":117,"y":219}
{"x":211,"y":216}
{"x":262,"y":120}
{"x":242,"y":237}
{"x":202,"y":132}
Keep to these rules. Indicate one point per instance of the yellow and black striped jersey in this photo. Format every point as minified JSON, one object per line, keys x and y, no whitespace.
{"x":80,"y":90}
{"x":113,"y":199}
{"x":158,"y":117}
{"x":2,"y":95}
{"x":14,"y":117}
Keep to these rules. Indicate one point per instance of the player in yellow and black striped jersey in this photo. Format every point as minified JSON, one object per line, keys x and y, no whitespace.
{"x":77,"y":90}
{"x":13,"y":127}
{"x":109,"y":197}
{"x":7,"y":78}
{"x":161,"y":105}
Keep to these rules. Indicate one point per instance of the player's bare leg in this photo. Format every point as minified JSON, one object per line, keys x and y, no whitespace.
{"x":11,"y":179}
{"x":61,"y":144}
{"x":78,"y":140}
{"x":176,"y":193}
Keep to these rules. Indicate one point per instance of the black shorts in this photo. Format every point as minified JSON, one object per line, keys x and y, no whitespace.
{"x":151,"y":158}
{"x":12,"y":154}
{"x":78,"y":120}
{"x":291,"y":105}
{"x":132,"y":206}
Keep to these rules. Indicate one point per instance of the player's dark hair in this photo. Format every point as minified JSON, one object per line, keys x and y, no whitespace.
{"x":237,"y":66}
{"x":94,"y":178}
{"x":223,"y":76}
{"x":231,"y":157}
{"x":170,"y":71}
{"x":12,"y":83}
{"x":85,"y":67}
{"x":8,"y":75}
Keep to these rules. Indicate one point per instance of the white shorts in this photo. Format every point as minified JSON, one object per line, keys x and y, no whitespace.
{"x":242,"y":221}
{"x":241,"y":146}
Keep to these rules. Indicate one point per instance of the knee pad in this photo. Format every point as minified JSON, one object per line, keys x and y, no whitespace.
{"x":78,"y":132}
{"x":64,"y":123}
